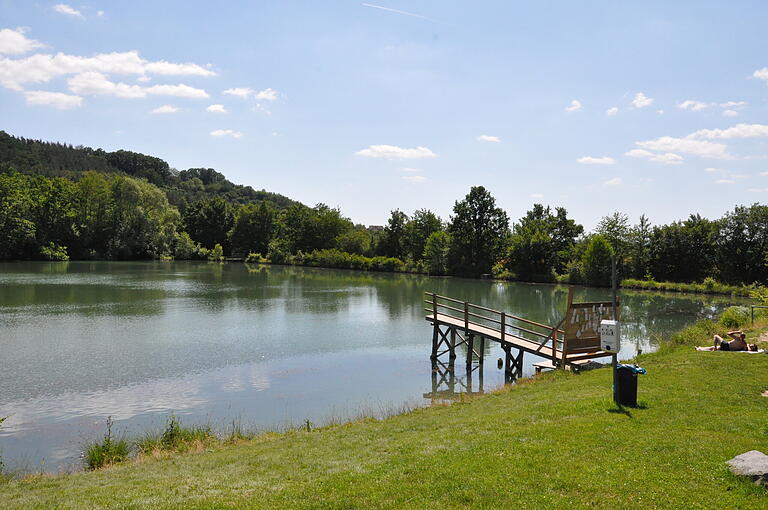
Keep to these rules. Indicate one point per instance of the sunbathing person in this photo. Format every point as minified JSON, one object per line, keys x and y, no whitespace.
{"x":738,"y":343}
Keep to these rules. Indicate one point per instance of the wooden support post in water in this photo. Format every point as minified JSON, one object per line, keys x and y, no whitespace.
{"x":452,"y":348}
{"x":470,"y":350}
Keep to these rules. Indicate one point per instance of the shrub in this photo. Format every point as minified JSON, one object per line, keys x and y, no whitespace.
{"x":735,"y":316}
{"x":255,"y":258}
{"x":106,"y":452}
{"x":216,"y":254}
{"x":187,"y":249}
{"x":53,"y":251}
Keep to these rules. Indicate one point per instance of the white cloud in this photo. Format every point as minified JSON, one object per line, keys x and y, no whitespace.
{"x":725,"y":181}
{"x":266,"y":95}
{"x":93,"y":83}
{"x":180,"y":90}
{"x":13,"y":42}
{"x":612,"y":111}
{"x":216,"y":108}
{"x":686,"y":146}
{"x":730,"y":113}
{"x":758,"y":190}
{"x":488,"y":138}
{"x":411,"y":170}
{"x":641,"y":101}
{"x":764,"y":174}
{"x":575,"y":106}
{"x":660,"y":112}
{"x":414,"y":178}
{"x":715,"y":170}
{"x":692,"y":105}
{"x":239,"y":92}
{"x":733,"y":104}
{"x":536,"y":195}
{"x":54,"y":99}
{"x":616,"y":181}
{"x":761,"y":74}
{"x":226,"y":132}
{"x":395,"y":152}
{"x":737,"y":131}
{"x":589,"y":160}
{"x":99,"y":13}
{"x":38,"y":68}
{"x":668,"y":158}
{"x":65,"y":9}
{"x":166,"y":108}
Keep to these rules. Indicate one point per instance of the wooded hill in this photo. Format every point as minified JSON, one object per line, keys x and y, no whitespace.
{"x":183,"y":188}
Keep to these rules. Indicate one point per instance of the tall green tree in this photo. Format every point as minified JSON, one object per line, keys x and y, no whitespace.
{"x":393,"y":241}
{"x":683,"y":251}
{"x":255,"y":226}
{"x":742,"y":245}
{"x":596,"y":261}
{"x":422,"y":224}
{"x":436,"y":251}
{"x":479,"y":231}
{"x":208,"y":222}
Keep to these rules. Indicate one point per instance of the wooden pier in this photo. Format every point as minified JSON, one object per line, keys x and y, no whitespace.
{"x":457,"y":323}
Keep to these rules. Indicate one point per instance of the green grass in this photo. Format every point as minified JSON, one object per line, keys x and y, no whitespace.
{"x":556,"y":442}
{"x":709,"y":286}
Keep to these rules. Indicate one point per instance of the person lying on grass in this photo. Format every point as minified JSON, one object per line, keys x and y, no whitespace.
{"x":738,"y":343}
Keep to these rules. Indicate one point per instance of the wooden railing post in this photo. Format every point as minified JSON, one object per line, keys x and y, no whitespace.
{"x":554,"y":345}
{"x":434,"y":307}
{"x":503,"y":325}
{"x":466,"y":318}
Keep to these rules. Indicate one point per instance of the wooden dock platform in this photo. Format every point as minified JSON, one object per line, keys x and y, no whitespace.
{"x":457,"y":323}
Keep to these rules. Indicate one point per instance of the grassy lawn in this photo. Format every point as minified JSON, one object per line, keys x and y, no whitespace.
{"x":555,"y":443}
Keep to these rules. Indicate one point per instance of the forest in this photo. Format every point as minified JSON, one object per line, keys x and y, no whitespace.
{"x":59,"y":202}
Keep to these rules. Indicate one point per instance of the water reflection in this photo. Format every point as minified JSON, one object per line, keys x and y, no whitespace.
{"x":80,"y":341}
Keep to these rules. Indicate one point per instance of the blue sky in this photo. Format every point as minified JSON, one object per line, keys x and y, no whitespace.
{"x":646,"y":107}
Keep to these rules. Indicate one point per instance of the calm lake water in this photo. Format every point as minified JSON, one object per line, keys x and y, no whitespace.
{"x":270,"y":346}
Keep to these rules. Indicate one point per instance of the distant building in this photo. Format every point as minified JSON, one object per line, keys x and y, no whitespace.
{"x":375,"y":228}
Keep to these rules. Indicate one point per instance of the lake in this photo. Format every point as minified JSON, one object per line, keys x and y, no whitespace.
{"x":269,"y":346}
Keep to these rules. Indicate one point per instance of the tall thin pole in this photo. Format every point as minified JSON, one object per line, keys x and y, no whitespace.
{"x":615,"y":356}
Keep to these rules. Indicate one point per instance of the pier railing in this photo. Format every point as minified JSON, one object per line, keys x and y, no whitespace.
{"x":503,"y":323}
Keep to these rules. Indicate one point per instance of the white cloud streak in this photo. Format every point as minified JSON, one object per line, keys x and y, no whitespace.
{"x":397,"y":11}
{"x":612,"y":111}
{"x":216,"y":108}
{"x":39,"y":68}
{"x":667,"y":158}
{"x":616,"y":181}
{"x":694,"y":106}
{"x":737,"y":131}
{"x":226,"y":132}
{"x":56,"y":100}
{"x":69,"y":11}
{"x":166,"y":108}
{"x":686,"y":146}
{"x":761,"y":74}
{"x":266,"y":95}
{"x":589,"y":160}
{"x":93,"y":83}
{"x":14,"y":42}
{"x":414,"y":178}
{"x":395,"y":152}
{"x":488,"y":138}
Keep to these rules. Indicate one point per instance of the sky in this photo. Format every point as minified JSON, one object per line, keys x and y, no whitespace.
{"x":655,"y":108}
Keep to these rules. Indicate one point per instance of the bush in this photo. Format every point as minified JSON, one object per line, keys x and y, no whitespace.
{"x":106,"y":452}
{"x":53,"y":251}
{"x":187,"y":249}
{"x":735,"y":316}
{"x":216,"y":254}
{"x":255,"y":258}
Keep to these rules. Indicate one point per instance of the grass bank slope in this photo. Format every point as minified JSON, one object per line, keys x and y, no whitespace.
{"x":554,"y":443}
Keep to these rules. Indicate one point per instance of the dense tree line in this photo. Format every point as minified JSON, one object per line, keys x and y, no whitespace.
{"x":133,"y":206}
{"x":182,"y":188}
